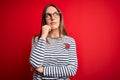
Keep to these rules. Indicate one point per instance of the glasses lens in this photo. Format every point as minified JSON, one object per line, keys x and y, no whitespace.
{"x":47,"y":16}
{"x":55,"y":14}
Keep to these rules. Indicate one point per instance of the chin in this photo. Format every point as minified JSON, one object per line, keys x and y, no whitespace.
{"x":54,"y":27}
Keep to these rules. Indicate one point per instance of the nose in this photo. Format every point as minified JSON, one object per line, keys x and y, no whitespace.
{"x":52,"y":17}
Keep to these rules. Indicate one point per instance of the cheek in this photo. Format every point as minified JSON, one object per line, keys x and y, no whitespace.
{"x":48,"y":22}
{"x":58,"y":21}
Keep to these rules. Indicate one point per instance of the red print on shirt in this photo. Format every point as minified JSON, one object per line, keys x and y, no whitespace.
{"x":67,"y":46}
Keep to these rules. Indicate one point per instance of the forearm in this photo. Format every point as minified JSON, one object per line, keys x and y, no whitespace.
{"x":59,"y":71}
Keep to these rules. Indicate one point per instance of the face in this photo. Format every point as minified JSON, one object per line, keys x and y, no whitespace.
{"x":52,"y":17}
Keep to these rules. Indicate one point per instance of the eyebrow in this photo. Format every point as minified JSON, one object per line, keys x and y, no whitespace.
{"x":52,"y":13}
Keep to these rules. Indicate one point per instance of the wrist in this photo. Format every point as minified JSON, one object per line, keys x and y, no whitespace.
{"x":42,"y":37}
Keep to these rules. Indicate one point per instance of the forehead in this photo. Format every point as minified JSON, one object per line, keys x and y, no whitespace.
{"x":51,"y":9}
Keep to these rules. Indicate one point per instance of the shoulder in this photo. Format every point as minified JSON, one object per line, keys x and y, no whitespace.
{"x":69,"y":38}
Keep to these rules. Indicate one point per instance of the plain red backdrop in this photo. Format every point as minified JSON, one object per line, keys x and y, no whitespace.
{"x":95,"y":25}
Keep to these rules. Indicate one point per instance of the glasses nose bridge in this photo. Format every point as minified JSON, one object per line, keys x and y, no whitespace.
{"x":52,"y":15}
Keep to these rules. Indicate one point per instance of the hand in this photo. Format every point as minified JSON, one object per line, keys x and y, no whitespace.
{"x":45,"y":30}
{"x":40,"y":69}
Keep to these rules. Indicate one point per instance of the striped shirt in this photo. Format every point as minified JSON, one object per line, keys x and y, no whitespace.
{"x":58,"y":58}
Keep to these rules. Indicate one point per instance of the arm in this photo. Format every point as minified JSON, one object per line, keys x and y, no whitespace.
{"x":37,"y":53}
{"x":38,"y":50}
{"x":64,"y":70}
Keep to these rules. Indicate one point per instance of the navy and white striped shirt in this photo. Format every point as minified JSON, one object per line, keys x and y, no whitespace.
{"x":58,"y":58}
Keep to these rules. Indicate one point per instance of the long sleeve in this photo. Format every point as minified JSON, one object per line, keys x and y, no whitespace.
{"x":37,"y":53}
{"x":64,"y":70}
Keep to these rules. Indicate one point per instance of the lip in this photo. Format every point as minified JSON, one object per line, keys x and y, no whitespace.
{"x":53,"y":23}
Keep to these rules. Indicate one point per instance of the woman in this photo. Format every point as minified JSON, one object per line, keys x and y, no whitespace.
{"x":53,"y":54}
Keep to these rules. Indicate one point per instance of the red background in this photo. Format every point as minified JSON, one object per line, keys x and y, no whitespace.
{"x":95,"y":25}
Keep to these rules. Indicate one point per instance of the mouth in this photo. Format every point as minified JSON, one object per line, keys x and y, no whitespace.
{"x":53,"y":23}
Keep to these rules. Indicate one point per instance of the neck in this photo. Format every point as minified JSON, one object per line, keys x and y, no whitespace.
{"x":54,"y":33}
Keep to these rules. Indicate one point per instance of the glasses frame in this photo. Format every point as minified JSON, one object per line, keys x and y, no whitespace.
{"x":50,"y":15}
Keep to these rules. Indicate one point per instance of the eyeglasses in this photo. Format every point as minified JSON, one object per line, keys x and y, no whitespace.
{"x":49,"y":15}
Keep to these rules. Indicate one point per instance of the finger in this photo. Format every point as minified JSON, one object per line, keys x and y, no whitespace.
{"x":49,"y":29}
